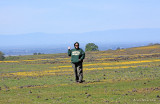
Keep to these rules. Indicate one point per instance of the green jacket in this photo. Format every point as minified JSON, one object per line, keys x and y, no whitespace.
{"x":77,"y":55}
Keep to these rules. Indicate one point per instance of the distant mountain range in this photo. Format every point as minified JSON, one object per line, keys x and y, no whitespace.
{"x":109,"y":36}
{"x":57,"y":43}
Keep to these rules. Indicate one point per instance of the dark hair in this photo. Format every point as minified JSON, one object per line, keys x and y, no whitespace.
{"x":76,"y":43}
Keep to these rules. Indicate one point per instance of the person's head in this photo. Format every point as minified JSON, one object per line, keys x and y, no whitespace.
{"x":76,"y":45}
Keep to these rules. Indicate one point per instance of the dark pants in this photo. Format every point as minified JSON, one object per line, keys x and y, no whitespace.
{"x":78,"y":70}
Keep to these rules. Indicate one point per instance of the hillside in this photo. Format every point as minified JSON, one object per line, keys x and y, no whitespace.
{"x":108,"y":55}
{"x":125,"y":76}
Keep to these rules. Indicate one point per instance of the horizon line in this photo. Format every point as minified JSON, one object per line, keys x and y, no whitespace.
{"x":79,"y":32}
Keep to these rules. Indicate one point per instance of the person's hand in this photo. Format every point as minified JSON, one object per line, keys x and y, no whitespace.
{"x":69,"y":47}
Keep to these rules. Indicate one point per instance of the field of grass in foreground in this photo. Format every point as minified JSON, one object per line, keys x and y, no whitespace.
{"x":127,"y":76}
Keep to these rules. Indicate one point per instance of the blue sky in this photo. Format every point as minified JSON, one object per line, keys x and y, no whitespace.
{"x":77,"y":16}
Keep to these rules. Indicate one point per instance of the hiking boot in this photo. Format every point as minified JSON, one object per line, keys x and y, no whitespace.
{"x":81,"y":81}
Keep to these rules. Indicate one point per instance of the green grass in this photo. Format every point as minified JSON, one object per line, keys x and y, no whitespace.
{"x":117,"y":87}
{"x":139,"y":85}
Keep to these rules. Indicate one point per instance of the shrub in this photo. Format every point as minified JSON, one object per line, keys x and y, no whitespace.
{"x":1,"y":56}
{"x":91,"y":47}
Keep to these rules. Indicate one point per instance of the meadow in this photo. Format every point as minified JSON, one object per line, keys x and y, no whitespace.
{"x":125,"y":76}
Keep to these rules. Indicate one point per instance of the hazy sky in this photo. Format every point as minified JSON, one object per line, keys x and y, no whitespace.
{"x":77,"y":16}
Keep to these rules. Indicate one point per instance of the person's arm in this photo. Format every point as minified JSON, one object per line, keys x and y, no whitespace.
{"x":69,"y":51}
{"x":83,"y":55}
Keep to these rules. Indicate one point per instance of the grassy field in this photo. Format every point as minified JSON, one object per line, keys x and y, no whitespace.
{"x":125,"y":76}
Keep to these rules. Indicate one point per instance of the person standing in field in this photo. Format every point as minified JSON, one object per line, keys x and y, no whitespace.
{"x":77,"y":57}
